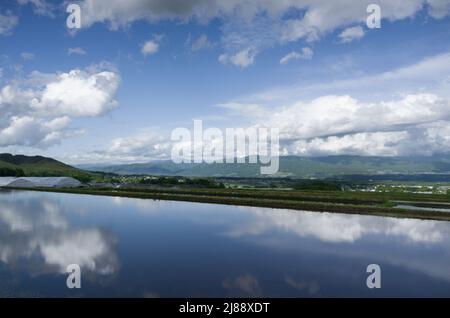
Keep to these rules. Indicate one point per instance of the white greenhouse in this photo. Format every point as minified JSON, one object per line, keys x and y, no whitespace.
{"x":44,"y":182}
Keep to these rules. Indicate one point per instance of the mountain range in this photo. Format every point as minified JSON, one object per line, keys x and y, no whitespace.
{"x":290,"y":166}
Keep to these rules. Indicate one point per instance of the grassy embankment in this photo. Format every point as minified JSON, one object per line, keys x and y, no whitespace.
{"x":364,"y":203}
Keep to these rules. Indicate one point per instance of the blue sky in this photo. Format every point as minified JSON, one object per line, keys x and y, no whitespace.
{"x":138,"y":69}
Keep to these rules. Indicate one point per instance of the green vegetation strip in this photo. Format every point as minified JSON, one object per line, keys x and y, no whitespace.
{"x":266,"y":199}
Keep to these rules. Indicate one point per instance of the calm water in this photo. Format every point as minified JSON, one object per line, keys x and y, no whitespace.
{"x":145,"y":248}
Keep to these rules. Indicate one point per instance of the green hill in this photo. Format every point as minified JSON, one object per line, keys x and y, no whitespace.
{"x":295,"y":167}
{"x":38,"y":166}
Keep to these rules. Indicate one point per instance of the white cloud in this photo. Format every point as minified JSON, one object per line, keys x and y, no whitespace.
{"x":323,"y":16}
{"x":27,"y":56}
{"x":332,"y":115}
{"x":332,"y":125}
{"x":329,"y":125}
{"x":424,"y":140}
{"x":78,"y":94}
{"x":201,"y":43}
{"x":150,"y":47}
{"x":76,"y":50}
{"x":406,"y":124}
{"x":147,"y":144}
{"x":411,"y":123}
{"x":351,"y":34}
{"x":7,"y":23}
{"x":37,"y":111}
{"x":242,"y":59}
{"x":365,"y":144}
{"x":306,"y":54}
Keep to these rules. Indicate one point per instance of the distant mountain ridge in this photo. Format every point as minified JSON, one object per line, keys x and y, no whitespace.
{"x":292,"y":166}
{"x":27,"y":160}
{"x":39,"y":166}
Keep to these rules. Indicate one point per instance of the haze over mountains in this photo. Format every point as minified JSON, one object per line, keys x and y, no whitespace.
{"x":290,"y":166}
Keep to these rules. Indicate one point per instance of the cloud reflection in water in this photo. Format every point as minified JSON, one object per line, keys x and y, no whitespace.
{"x":35,"y":234}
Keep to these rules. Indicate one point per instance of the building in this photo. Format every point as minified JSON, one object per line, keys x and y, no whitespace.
{"x":41,"y":182}
{"x":4,"y":181}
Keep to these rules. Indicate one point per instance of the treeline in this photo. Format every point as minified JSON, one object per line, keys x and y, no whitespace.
{"x":176,"y":181}
{"x":11,"y":172}
{"x":318,"y":186}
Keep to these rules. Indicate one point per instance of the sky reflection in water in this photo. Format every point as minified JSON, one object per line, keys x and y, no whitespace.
{"x":145,"y":248}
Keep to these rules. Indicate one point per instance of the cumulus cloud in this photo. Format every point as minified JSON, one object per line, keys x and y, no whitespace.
{"x":331,"y":115}
{"x":36,"y":111}
{"x":76,"y":51}
{"x":29,"y":131}
{"x":8,"y":22}
{"x":352,"y":33}
{"x":306,"y":53}
{"x":347,"y":122}
{"x":78,"y":94}
{"x":417,"y":124}
{"x":424,"y":140}
{"x":368,"y":144}
{"x":150,"y":47}
{"x":331,"y":125}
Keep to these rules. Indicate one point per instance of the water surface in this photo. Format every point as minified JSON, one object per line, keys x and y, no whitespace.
{"x":147,"y":248}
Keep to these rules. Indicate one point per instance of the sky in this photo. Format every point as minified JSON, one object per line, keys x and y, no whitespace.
{"x":114,"y":90}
